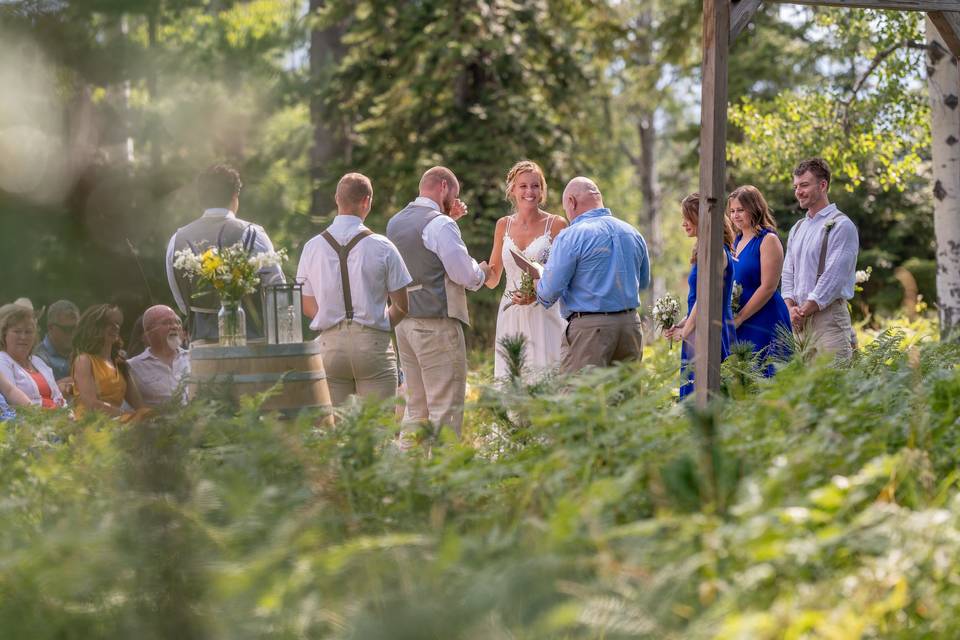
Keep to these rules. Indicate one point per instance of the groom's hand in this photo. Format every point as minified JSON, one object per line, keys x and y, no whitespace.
{"x":458,"y":209}
{"x":487,"y":270}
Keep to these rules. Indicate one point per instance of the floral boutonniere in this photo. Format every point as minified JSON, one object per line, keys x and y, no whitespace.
{"x":830,"y":224}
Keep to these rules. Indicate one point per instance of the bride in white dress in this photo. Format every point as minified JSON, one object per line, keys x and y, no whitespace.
{"x":528,"y":230}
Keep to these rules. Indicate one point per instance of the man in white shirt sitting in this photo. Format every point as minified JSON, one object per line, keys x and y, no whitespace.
{"x":348,"y":272}
{"x":162,"y":368}
{"x":432,"y":349}
{"x":820,"y":264}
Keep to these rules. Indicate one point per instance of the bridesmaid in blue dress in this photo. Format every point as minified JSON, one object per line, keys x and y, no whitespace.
{"x":690,"y":208}
{"x":762,"y":317}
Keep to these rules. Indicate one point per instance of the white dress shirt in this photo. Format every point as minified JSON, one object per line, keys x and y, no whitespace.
{"x":442,"y":237}
{"x":374,"y":267}
{"x":261,"y":244}
{"x":24,"y":381}
{"x":802,"y":259}
{"x":155,"y":379}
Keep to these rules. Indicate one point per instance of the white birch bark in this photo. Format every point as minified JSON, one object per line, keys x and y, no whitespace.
{"x":944,"y":84}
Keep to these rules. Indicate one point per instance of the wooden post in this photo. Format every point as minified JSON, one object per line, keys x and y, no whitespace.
{"x":713,"y":158}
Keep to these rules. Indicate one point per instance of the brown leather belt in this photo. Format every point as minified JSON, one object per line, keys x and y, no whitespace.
{"x":580,"y":314}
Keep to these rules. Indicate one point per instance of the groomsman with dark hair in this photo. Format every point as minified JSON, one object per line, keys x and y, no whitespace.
{"x":348,"y":273}
{"x":820,"y":264}
{"x":218,"y":192}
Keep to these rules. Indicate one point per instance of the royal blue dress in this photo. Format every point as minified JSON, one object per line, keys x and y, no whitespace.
{"x":763,"y":328}
{"x":727,"y":335}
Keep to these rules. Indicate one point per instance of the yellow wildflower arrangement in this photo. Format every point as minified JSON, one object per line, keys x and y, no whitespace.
{"x":230,"y":271}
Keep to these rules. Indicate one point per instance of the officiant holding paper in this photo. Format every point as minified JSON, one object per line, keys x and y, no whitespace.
{"x":596,"y":270}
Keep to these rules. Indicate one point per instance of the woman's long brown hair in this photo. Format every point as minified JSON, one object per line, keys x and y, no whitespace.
{"x":92,"y":331}
{"x":756,"y":205}
{"x":690,"y":208}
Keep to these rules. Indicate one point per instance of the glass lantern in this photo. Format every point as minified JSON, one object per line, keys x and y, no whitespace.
{"x":282,"y":308}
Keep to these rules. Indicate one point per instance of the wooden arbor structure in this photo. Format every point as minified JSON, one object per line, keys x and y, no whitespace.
{"x":723,"y":20}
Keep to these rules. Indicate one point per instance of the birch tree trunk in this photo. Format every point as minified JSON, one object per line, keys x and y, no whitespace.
{"x":944,"y":85}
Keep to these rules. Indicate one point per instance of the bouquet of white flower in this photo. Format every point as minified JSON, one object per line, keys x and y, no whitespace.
{"x":735,"y":297}
{"x":230,"y":271}
{"x":666,"y":313}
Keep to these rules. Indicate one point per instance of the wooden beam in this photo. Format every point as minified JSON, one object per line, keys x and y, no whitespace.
{"x":902,"y":5}
{"x":713,"y":166}
{"x":740,"y":15}
{"x":948,"y":24}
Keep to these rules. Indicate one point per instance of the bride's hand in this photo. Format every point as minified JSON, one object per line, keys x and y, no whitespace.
{"x":516,"y":298}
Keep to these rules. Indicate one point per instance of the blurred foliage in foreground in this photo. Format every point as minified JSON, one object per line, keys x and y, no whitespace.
{"x":821,"y":503}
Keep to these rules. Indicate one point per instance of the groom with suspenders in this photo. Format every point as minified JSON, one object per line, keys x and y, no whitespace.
{"x":348,"y":272}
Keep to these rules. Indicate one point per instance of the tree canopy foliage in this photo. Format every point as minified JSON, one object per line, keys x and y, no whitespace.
{"x":123,"y":102}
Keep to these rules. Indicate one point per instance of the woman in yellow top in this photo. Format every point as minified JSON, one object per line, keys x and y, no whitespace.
{"x":100,"y":371}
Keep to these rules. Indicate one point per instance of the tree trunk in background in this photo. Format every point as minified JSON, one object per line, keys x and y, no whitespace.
{"x":645,"y":164}
{"x":153,"y":26}
{"x":647,"y":175}
{"x":944,"y":84}
{"x":325,"y":52}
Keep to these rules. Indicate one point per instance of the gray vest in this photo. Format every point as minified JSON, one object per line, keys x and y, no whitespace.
{"x":431,"y":294}
{"x":198,"y":236}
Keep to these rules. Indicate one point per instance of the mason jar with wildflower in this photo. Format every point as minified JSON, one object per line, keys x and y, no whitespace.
{"x":232,"y":272}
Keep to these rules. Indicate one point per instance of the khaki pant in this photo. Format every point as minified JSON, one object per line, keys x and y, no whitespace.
{"x":358,"y":360}
{"x":600,"y":340}
{"x":829,"y":331}
{"x":433,"y":356}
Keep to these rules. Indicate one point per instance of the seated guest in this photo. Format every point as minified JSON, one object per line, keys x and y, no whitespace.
{"x":27,"y":372}
{"x":161,"y":368}
{"x":101,"y":375}
{"x":9,"y":394}
{"x":348,"y":272}
{"x":55,"y":348}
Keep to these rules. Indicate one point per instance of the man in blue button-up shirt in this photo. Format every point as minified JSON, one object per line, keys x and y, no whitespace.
{"x":597,"y":267}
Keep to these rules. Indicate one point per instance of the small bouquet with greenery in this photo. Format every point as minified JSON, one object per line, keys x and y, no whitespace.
{"x":232,"y":272}
{"x":526,"y":288}
{"x":735,"y":297}
{"x":666,"y":313}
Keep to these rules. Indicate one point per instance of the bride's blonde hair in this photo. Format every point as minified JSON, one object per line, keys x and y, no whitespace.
{"x":522,"y":167}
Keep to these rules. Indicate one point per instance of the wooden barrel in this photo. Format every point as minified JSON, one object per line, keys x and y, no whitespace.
{"x":256,"y":368}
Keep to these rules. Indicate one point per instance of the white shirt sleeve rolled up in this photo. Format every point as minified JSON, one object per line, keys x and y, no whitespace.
{"x":442,"y":236}
{"x":172,"y":277}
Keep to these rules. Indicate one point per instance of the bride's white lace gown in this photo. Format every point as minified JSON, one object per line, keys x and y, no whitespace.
{"x":543,"y":327}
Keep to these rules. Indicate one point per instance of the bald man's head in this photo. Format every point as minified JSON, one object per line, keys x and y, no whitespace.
{"x":580,"y":195}
{"x":440,"y":185}
{"x":160,"y":322}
